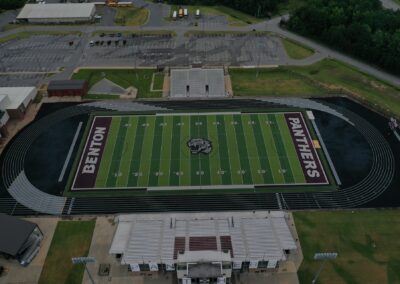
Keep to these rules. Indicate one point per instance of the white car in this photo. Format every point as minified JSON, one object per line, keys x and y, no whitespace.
{"x":91,"y":43}
{"x":97,"y":17}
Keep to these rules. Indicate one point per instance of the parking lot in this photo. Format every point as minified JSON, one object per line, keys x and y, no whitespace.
{"x":28,"y":60}
{"x":21,"y":80}
{"x":38,"y":53}
{"x":213,"y":49}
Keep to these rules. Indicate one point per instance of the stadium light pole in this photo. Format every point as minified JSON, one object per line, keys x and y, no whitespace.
{"x":324,"y":256}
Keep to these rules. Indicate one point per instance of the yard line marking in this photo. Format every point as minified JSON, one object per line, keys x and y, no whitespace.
{"x":233,"y":152}
{"x":71,"y":149}
{"x":114,"y":170}
{"x":165,"y":156}
{"x":223,"y":148}
{"x":215,"y":163}
{"x":246,"y":169}
{"x":147,"y":148}
{"x":297,"y":172}
{"x":272,"y":152}
{"x":280,"y":147}
{"x":262,"y":152}
{"x":128,"y":149}
{"x":251,"y":147}
{"x":185,"y":162}
{"x":156,"y":152}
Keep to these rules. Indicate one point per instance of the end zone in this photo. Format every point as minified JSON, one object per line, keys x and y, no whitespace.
{"x":93,"y":151}
{"x":310,"y":163}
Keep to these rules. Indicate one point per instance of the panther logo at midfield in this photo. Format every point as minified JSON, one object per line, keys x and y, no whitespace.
{"x":199,"y":145}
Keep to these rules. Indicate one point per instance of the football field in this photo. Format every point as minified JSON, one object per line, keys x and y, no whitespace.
{"x":198,"y":150}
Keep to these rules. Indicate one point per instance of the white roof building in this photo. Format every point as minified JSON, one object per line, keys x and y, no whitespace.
{"x":57,"y":13}
{"x":12,"y":98}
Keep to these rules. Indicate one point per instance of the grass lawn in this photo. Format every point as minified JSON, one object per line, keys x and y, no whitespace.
{"x":271,"y":82}
{"x":139,"y":78}
{"x":367,"y":242}
{"x":131,"y":16}
{"x":71,"y":239}
{"x":23,"y":35}
{"x":325,"y":77}
{"x":338,"y":75}
{"x":296,"y":50}
{"x":234,"y":17}
{"x":158,"y":82}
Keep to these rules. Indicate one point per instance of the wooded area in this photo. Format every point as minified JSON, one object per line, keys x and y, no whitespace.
{"x":257,"y":8}
{"x":361,"y":28}
{"x":11,"y":4}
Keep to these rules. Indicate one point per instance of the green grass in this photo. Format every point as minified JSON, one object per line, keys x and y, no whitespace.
{"x":339,"y":76}
{"x":139,"y":78}
{"x":296,"y":50}
{"x":326,"y":77}
{"x":234,"y":17}
{"x":136,"y":153}
{"x":131,"y":16}
{"x":158,"y":82}
{"x":71,"y":239}
{"x":367,"y":242}
{"x":23,"y":35}
{"x":271,"y":82}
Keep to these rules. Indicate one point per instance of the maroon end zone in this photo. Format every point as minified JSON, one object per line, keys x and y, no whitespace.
{"x":310,"y":163}
{"x":86,"y":174}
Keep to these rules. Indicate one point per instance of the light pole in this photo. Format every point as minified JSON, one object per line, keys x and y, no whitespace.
{"x":83,"y":260}
{"x":324,"y":256}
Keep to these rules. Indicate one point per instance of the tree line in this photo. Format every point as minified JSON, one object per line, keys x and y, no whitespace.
{"x":257,"y":8}
{"x":362,"y":28}
{"x":11,"y":4}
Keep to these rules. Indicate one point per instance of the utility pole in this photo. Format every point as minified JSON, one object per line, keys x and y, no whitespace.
{"x":324,"y":257}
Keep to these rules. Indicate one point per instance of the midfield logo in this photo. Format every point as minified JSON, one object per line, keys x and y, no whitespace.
{"x":199,"y":145}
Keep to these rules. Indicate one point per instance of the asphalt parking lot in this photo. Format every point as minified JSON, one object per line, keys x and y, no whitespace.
{"x":38,"y":53}
{"x":213,"y":49}
{"x":21,"y":80}
{"x":26,"y":61}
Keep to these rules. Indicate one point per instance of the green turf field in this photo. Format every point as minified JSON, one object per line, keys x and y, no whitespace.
{"x":151,"y":151}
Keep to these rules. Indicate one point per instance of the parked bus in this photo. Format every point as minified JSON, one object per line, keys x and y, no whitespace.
{"x":180,"y":13}
{"x":185,"y":12}
{"x":174,"y":15}
{"x":198,"y":13}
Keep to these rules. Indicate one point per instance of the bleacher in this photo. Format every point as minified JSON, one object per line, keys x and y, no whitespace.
{"x":197,"y":83}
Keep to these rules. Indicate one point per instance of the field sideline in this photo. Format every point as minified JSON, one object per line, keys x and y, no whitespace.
{"x":152,"y":151}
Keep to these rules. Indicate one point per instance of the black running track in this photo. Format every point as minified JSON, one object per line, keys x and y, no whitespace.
{"x":364,"y":156}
